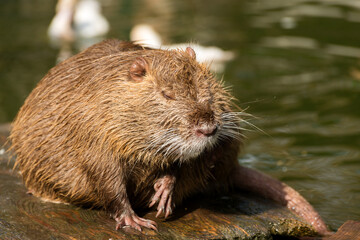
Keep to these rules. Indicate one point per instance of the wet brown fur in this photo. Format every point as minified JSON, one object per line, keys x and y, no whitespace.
{"x":87,"y":133}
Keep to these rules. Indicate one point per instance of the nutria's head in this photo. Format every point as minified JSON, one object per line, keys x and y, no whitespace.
{"x":177,"y":106}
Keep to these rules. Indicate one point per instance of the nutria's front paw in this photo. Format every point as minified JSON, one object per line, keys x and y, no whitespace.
{"x":164,"y":188}
{"x":133,"y":221}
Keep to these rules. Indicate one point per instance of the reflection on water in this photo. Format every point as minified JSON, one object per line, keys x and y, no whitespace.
{"x":297,"y":70}
{"x":302,"y":57}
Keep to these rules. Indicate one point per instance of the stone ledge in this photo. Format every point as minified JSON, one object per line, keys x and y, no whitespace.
{"x":240,"y":215}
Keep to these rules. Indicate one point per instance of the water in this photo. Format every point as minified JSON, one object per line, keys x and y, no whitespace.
{"x":297,"y":70}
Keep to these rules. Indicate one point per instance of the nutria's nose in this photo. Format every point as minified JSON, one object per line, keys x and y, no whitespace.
{"x":206,"y":130}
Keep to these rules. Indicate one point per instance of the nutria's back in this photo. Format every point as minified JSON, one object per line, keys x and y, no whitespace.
{"x":118,"y":116}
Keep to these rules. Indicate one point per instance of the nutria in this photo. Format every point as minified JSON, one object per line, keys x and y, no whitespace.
{"x":122,"y":127}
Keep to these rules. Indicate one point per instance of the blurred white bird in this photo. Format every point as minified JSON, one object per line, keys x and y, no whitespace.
{"x":146,"y":35}
{"x":77,"y":19}
{"x":88,"y":20}
{"x":79,"y":22}
{"x":60,"y":28}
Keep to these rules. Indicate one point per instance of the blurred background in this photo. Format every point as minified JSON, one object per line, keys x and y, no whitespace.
{"x":293,"y":64}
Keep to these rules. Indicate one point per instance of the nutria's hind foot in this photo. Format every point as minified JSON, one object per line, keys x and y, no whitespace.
{"x":164,"y":188}
{"x":133,"y":221}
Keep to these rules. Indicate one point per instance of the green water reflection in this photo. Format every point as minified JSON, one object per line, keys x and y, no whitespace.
{"x":297,"y":70}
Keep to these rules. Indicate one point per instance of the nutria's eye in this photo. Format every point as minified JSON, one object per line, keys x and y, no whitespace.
{"x":168,"y":95}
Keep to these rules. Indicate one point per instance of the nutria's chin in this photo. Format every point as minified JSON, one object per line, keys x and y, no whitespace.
{"x":184,"y":150}
{"x":119,"y":126}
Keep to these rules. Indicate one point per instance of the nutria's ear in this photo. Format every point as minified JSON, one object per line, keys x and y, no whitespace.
{"x":191,"y":52}
{"x":138,"y":69}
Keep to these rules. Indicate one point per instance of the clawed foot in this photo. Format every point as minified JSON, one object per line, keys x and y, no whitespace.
{"x":163,"y":194}
{"x":133,"y":221}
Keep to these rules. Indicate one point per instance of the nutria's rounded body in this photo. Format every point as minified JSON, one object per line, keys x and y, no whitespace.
{"x":103,"y":126}
{"x":119,"y":126}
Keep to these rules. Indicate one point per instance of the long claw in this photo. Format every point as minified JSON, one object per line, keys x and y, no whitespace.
{"x":133,"y":221}
{"x":146,"y":223}
{"x":160,"y":210}
{"x":158,"y":194}
{"x":152,"y":203}
{"x":168,"y":210}
{"x":163,"y":195}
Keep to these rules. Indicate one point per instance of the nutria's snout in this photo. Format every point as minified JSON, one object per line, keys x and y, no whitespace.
{"x":206,"y":130}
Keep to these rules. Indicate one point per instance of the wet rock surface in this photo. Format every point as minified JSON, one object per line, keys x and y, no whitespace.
{"x":241,"y":215}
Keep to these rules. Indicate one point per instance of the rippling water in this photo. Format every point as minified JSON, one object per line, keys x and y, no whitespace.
{"x":297,"y":70}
